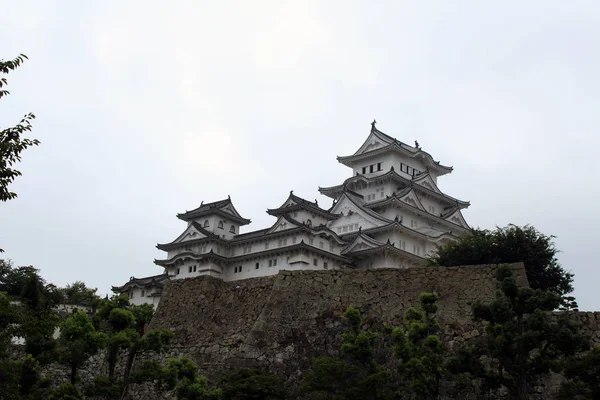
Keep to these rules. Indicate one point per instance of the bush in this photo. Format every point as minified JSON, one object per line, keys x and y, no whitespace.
{"x":102,"y":386}
{"x":66,"y":392}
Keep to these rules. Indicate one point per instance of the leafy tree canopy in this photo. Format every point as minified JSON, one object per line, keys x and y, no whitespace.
{"x":12,"y":142}
{"x":508,"y":245}
{"x":523,"y":340}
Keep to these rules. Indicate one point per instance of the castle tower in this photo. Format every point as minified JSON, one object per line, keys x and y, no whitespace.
{"x":389,"y":213}
{"x":392,"y":212}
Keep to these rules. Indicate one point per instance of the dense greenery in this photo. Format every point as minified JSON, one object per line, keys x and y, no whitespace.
{"x":12,"y":142}
{"x":523,"y":340}
{"x":78,"y":341}
{"x":419,"y":350}
{"x":508,"y":245}
{"x":356,"y":374}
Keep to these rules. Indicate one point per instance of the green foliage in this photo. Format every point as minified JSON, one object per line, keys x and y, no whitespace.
{"x":149,"y":371}
{"x":356,"y":344}
{"x":508,"y":245}
{"x":104,"y":387}
{"x":583,"y":377}
{"x":78,"y":341}
{"x":37,"y":316}
{"x":8,"y":317}
{"x":12,"y":142}
{"x":181,"y":374}
{"x":66,"y":391}
{"x":79,"y":294}
{"x":120,"y":319}
{"x":251,"y":384}
{"x":523,"y":340}
{"x":421,"y":356}
{"x":357,"y":376}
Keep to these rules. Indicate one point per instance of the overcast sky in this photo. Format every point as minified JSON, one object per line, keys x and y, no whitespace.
{"x":145,"y":109}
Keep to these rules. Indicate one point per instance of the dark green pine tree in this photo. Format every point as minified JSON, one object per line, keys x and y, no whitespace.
{"x":523,"y":339}
{"x":420,"y":353}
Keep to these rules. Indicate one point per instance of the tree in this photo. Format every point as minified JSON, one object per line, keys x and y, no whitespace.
{"x":78,"y":341}
{"x":66,"y":391}
{"x":508,"y":245}
{"x":583,"y":377}
{"x":125,"y":324}
{"x":12,"y":144}
{"x":181,"y":374}
{"x":357,"y":375}
{"x":79,"y":294}
{"x":249,"y":384}
{"x":38,"y":318}
{"x":419,"y":350}
{"x":523,"y":340}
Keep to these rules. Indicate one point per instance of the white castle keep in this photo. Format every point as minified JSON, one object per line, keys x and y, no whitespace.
{"x":389,"y":214}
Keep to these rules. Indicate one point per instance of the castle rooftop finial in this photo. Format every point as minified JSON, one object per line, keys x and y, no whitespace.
{"x":373,"y":125}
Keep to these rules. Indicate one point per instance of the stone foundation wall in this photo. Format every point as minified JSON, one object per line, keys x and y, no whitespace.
{"x":282,"y":322}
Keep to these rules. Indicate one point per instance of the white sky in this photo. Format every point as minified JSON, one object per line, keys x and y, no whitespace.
{"x":145,"y":109}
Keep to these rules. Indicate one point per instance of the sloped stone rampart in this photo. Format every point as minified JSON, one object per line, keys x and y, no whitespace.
{"x":283,"y":321}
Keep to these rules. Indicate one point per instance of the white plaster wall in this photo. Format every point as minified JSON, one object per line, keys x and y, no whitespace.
{"x":303,"y":216}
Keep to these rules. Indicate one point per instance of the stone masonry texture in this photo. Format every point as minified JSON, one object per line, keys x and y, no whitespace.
{"x":281,"y":322}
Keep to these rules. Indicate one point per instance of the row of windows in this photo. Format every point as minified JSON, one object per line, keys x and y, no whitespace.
{"x":132,"y":295}
{"x":272,"y":263}
{"x":192,"y":269}
{"x":347,"y":228}
{"x":316,"y":263}
{"x":220,"y":226}
{"x":372,"y":168}
{"x":409,"y":170}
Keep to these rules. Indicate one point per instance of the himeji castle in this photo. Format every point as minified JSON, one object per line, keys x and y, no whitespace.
{"x":389,"y":213}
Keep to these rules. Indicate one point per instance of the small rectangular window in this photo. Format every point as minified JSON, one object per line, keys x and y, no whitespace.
{"x":315,"y":261}
{"x":364,"y":170}
{"x":294,"y":239}
{"x":331,"y":248}
{"x":270,"y":263}
{"x":143,"y":293}
{"x":321,"y":244}
{"x":177,"y":271}
{"x":285,"y":242}
{"x":325,"y":265}
{"x":345,"y":228}
{"x":256,"y":266}
{"x":274,"y":262}
{"x":370,"y":168}
{"x":194,"y":268}
{"x":340,"y":229}
{"x":190,"y":269}
{"x":378,"y":166}
{"x":279,"y":243}
{"x":267,"y":246}
{"x":310,"y":241}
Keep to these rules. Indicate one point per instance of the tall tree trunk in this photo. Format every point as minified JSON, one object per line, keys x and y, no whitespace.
{"x":112,"y":362}
{"x":73,"y":373}
{"x":129,"y":365}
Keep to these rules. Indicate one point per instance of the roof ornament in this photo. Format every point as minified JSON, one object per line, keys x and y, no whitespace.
{"x":291,"y":192}
{"x":360,"y":229}
{"x":316,"y":202}
{"x":228,"y":197}
{"x":417,"y":145}
{"x":373,"y":125}
{"x":396,"y":219}
{"x":388,"y":242}
{"x":392,"y":168}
